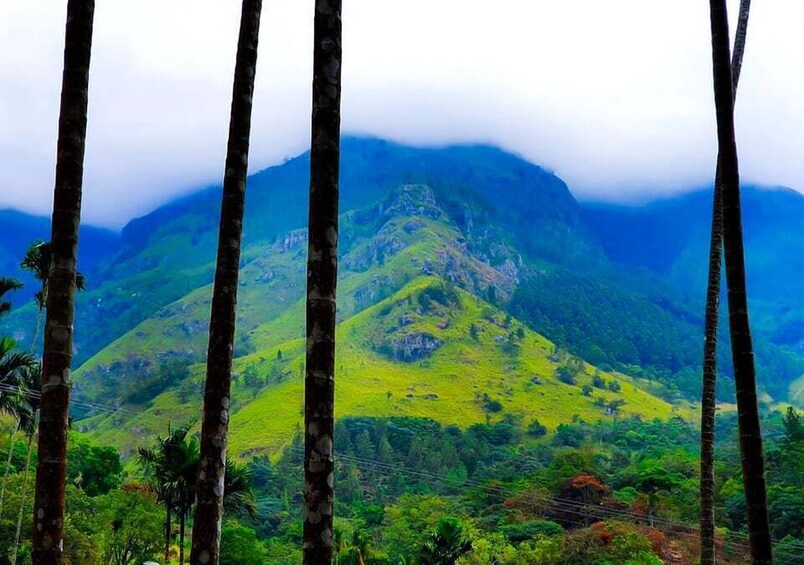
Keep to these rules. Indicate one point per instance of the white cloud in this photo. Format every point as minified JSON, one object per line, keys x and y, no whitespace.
{"x":615,"y":97}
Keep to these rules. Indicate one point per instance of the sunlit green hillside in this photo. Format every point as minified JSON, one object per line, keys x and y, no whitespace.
{"x":429,"y":350}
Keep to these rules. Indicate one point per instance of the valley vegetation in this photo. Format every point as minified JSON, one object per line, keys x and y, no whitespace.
{"x":513,"y":382}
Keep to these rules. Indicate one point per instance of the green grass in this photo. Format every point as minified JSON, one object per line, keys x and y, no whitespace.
{"x":461,"y":371}
{"x":448,"y":386}
{"x":272,"y":288}
{"x":389,"y":262}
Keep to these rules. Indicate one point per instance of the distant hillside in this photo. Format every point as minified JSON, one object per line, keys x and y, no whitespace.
{"x":170,"y":252}
{"x":18,"y":230}
{"x":604,"y":283}
{"x":671,"y":238}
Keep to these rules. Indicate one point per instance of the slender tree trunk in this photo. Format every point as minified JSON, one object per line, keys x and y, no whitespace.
{"x":36,"y":330}
{"x":322,"y":275}
{"x":168,"y":532}
{"x":182,"y":522}
{"x":48,"y":530}
{"x":7,"y":469}
{"x":21,"y":511}
{"x":708,"y":394}
{"x":752,"y":456}
{"x":709,"y":391}
{"x":214,"y":431}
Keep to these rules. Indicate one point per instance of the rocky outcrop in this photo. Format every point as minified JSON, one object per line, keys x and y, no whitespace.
{"x":412,"y":347}
{"x":412,"y":200}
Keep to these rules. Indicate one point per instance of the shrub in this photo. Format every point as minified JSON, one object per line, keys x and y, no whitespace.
{"x":536,"y":429}
{"x":517,"y":533}
{"x":240,"y":546}
{"x":565,"y":375}
{"x":491,"y":405}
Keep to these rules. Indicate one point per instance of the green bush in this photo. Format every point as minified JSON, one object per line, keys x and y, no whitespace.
{"x":240,"y":546}
{"x":517,"y":533}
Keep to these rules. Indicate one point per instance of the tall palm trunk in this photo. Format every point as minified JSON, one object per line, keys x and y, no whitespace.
{"x":168,"y":508}
{"x":709,"y":391}
{"x":38,"y":325}
{"x":21,"y":511}
{"x":182,"y":523}
{"x":752,"y":457}
{"x":48,"y":527}
{"x":214,"y":430}
{"x":7,"y":469}
{"x":322,"y":275}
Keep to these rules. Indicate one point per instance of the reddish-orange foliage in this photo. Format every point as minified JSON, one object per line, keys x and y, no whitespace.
{"x":587,"y":481}
{"x":603,"y":532}
{"x":640,"y":507}
{"x":136,"y":487}
{"x":658,"y":541}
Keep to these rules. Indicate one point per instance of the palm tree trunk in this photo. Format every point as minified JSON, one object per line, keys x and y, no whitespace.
{"x":708,"y":394}
{"x":36,"y":330}
{"x":58,"y":347}
{"x":182,"y":521}
{"x":168,"y":532}
{"x":6,"y":470}
{"x":22,"y":503}
{"x":322,"y":275}
{"x":709,"y":391}
{"x":751,"y":451}
{"x":214,"y":430}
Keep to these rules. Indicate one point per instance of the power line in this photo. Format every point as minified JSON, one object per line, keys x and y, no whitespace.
{"x":508,"y":492}
{"x":74,"y":400}
{"x":541,"y":502}
{"x":570,"y":506}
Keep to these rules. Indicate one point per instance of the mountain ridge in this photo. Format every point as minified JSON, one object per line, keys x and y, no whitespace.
{"x":515,"y":217}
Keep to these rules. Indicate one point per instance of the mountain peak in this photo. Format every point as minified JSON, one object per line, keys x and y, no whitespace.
{"x":412,"y":200}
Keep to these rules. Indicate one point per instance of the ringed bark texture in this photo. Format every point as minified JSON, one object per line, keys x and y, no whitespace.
{"x":751,"y":451}
{"x":48,"y":524}
{"x":322,"y":273}
{"x":709,"y":388}
{"x":217,"y":394}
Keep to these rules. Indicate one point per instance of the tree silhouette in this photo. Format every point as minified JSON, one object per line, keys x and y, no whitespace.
{"x":322,"y":276}
{"x":48,"y":519}
{"x":217,"y":393}
{"x":753,"y":463}
{"x":709,"y":383}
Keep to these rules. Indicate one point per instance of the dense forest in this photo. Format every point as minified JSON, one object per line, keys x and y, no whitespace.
{"x":400,"y":355}
{"x":621,"y":491}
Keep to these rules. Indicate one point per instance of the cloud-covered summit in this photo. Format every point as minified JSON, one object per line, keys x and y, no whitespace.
{"x":616,"y":98}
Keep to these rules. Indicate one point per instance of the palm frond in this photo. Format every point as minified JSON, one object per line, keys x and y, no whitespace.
{"x":8,"y":284}
{"x":238,"y":493}
{"x":37,"y":260}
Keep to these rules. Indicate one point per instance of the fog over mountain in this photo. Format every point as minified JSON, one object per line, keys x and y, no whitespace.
{"x":615,"y":98}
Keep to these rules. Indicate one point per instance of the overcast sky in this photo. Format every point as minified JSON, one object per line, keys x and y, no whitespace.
{"x":613,"y":96}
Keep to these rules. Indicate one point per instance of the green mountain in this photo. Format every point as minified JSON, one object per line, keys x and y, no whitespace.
{"x":653,"y":237}
{"x":473,"y":286}
{"x":419,"y":338}
{"x":167,"y":254}
{"x":18,"y":230}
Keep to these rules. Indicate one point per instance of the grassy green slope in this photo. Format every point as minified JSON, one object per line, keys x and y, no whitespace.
{"x":383,"y":251}
{"x":449,"y":386}
{"x":457,"y":384}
